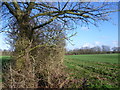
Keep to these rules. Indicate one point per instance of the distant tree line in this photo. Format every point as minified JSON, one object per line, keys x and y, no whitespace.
{"x":94,"y":50}
{"x":83,"y":50}
{"x":5,"y":52}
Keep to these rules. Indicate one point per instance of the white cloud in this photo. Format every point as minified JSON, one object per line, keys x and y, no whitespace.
{"x":97,"y":43}
{"x":88,"y":45}
{"x":85,"y":28}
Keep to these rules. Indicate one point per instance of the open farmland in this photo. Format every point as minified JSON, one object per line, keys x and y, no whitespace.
{"x":3,"y":61}
{"x":97,"y":70}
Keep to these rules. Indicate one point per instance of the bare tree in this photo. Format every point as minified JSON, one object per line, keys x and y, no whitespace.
{"x":105,"y":48}
{"x":29,"y":27}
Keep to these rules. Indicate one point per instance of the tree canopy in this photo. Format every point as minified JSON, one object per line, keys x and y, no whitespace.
{"x":46,"y":12}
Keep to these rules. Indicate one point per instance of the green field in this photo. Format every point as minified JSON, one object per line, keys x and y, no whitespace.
{"x":3,"y":60}
{"x":99,"y":70}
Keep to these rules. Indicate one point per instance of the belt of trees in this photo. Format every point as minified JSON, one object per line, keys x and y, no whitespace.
{"x":94,"y":50}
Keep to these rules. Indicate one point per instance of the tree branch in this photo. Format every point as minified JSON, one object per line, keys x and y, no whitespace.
{"x":15,"y":3}
{"x":45,"y":23}
{"x":74,"y":12}
{"x":65,"y":5}
{"x":30,"y":7}
{"x":11,"y":10}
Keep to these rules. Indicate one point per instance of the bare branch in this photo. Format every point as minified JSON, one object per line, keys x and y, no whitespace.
{"x":17,"y":7}
{"x":45,"y":23}
{"x":11,"y":10}
{"x":65,"y":5}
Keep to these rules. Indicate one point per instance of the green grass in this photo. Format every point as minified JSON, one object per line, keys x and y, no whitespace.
{"x":100,"y":70}
{"x":3,"y":61}
{"x":4,"y":57}
{"x":106,"y":58}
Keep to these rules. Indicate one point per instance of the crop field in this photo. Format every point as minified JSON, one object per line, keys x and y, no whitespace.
{"x":99,"y":70}
{"x":3,"y":60}
{"x":96,"y":70}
